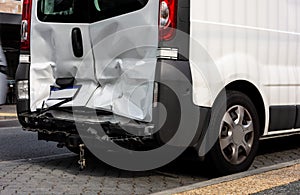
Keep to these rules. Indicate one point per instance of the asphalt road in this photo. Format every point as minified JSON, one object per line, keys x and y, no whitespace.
{"x":291,"y":189}
{"x":18,"y":144}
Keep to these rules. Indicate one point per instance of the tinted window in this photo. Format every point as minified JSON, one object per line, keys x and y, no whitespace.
{"x":85,"y":11}
{"x":103,"y":9}
{"x":65,"y":11}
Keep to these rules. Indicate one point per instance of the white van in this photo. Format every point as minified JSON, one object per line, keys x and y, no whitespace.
{"x":3,"y":72}
{"x":230,"y":67}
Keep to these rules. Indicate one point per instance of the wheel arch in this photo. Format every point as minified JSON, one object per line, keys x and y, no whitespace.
{"x":254,"y":94}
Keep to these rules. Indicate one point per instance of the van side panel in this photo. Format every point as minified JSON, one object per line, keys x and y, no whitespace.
{"x":256,"y":41}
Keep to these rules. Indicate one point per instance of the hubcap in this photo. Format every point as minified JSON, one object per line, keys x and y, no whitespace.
{"x":236,"y":134}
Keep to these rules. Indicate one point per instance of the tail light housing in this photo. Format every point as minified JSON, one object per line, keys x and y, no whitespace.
{"x":167,"y":19}
{"x":25,"y":25}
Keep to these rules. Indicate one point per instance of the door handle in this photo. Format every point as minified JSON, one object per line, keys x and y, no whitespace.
{"x":77,"y":42}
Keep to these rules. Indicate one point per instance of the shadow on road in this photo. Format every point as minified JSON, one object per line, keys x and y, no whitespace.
{"x":183,"y":167}
{"x":279,"y":144}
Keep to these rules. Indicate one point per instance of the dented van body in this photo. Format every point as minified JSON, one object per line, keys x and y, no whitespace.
{"x":225,"y":73}
{"x":105,"y":57}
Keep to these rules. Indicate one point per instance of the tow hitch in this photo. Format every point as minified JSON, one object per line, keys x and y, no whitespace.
{"x":81,"y":162}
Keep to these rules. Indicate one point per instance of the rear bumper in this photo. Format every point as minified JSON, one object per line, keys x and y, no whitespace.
{"x":22,"y":73}
{"x":58,"y":125}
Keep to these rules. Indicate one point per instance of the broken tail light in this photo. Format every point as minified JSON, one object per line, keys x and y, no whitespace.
{"x":167,"y":19}
{"x":25,"y":25}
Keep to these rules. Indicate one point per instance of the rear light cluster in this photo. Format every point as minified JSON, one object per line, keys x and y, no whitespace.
{"x":167,"y":19}
{"x":25,"y":26}
{"x":23,"y":90}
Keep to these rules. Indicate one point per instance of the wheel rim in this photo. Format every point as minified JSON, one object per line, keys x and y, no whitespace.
{"x":236,"y":134}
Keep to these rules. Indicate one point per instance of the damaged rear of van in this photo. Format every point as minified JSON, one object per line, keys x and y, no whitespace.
{"x":156,"y":77}
{"x":105,"y":58}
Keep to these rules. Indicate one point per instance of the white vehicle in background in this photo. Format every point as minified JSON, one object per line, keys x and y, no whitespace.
{"x":3,"y":81}
{"x":106,"y":56}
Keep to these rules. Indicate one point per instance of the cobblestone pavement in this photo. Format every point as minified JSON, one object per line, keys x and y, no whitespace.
{"x":61,"y":175}
{"x":58,"y":175}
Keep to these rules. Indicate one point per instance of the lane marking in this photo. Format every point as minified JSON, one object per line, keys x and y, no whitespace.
{"x":8,"y":115}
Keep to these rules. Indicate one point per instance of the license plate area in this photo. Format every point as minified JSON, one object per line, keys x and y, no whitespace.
{"x":57,"y":93}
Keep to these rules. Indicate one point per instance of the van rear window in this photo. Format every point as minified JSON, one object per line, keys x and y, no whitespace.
{"x":103,"y":9}
{"x":85,"y":11}
{"x":63,"y":11}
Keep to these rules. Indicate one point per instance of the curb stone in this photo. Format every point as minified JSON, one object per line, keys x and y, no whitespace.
{"x":228,"y":178}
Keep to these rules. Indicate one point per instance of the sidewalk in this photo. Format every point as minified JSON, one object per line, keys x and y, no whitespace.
{"x":275,"y":179}
{"x":8,"y":112}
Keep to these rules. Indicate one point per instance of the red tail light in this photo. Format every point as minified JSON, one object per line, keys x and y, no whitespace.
{"x":167,"y":19}
{"x":25,"y":26}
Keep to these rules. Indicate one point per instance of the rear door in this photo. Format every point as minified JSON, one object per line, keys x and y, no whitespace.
{"x":60,"y":49}
{"x":124,"y":36}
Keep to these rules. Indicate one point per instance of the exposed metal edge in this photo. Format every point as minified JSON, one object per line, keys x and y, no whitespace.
{"x":38,"y":159}
{"x":228,"y":178}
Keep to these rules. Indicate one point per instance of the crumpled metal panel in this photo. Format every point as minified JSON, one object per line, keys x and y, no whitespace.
{"x":116,"y":72}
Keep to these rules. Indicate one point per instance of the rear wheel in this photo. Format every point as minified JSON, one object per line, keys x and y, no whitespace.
{"x":238,"y":133}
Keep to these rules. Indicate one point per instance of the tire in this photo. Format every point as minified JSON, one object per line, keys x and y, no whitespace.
{"x":238,"y":133}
